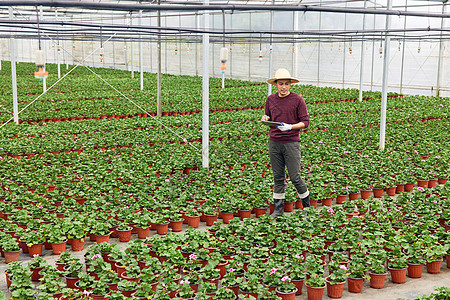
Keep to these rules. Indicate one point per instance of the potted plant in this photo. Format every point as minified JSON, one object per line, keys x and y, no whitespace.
{"x":193,"y":217}
{"x":211,"y":214}
{"x":176,"y":222}
{"x":397,"y":265}
{"x":100,"y":289}
{"x":286,"y":289}
{"x":85,"y":281}
{"x":251,"y":287}
{"x":336,"y":279}
{"x":377,"y":273}
{"x":34,"y":240}
{"x":315,"y":286}
{"x":76,"y":235}
{"x":11,"y":249}
{"x":356,"y":274}
{"x":185,"y":291}
{"x":245,"y":209}
{"x":57,"y":239}
{"x":161,"y":223}
{"x":51,"y":283}
{"x":72,"y":271}
{"x":433,"y":257}
{"x":225,"y":294}
{"x":211,"y":273}
{"x":36,"y":264}
{"x":127,"y":287}
{"x":124,"y":232}
{"x":101,"y":232}
{"x":231,"y":281}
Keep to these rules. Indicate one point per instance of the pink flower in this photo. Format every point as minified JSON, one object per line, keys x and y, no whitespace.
{"x":330,"y":210}
{"x":167,"y":180}
{"x":434,"y":201}
{"x":421,"y":189}
{"x":286,"y":278}
{"x":345,"y":152}
{"x":34,"y":255}
{"x":320,"y":142}
{"x":441,"y":105}
{"x":343,"y":267}
{"x":416,"y":152}
{"x":96,"y":256}
{"x":192,"y":256}
{"x":342,"y":168}
{"x":297,"y":255}
{"x":273,"y":271}
{"x":185,"y":281}
{"x":231,"y":270}
{"x":87,"y":293}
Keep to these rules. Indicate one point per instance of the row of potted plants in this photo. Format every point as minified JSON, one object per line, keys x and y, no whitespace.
{"x":361,"y":236}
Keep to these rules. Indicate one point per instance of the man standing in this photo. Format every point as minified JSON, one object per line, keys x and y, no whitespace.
{"x":289,"y":109}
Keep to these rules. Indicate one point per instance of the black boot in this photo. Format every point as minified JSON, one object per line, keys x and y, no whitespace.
{"x":305,"y":202}
{"x":279,"y":208}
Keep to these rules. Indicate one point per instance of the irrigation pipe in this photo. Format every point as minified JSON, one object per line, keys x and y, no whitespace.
{"x":217,"y":7}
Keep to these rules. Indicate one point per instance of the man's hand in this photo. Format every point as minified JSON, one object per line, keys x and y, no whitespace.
{"x":284,"y":127}
{"x":265,"y":118}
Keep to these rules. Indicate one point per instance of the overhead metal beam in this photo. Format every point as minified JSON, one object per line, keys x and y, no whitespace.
{"x":214,"y":7}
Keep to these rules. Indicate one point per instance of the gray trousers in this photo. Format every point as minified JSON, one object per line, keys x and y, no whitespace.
{"x":288,"y":155}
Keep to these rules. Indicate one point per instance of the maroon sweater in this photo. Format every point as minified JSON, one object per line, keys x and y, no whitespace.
{"x":290,"y":110}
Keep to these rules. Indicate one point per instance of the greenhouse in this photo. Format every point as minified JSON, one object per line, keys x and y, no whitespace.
{"x":136,"y":163}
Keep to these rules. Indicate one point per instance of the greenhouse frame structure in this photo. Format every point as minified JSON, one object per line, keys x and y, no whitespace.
{"x":63,"y":21}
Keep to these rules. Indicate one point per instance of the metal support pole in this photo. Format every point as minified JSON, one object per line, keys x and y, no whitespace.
{"x":13,"y":71}
{"x":131,"y":50}
{"x":44,"y":81}
{"x":126,"y":55}
{"x":295,"y":46}
{"x":150,"y":48}
{"x":318,"y":49}
{"x":344,"y":52}
{"x":403,"y":51}
{"x":269,"y":91}
{"x":205,"y":83}
{"x":165,"y":48}
{"x":213,"y":61}
{"x":179,"y":49}
{"x":361,"y":67}
{"x":197,"y":23}
{"x":231,"y":49}
{"x":141,"y":54}
{"x":58,"y":51}
{"x":385,"y":80}
{"x":249,"y":48}
{"x":373,"y":55}
{"x":158,"y":81}
{"x":441,"y":53}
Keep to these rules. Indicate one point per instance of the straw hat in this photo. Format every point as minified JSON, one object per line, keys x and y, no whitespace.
{"x":282,"y":74}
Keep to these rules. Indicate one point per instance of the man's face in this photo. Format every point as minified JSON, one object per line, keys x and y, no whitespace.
{"x":283,"y":86}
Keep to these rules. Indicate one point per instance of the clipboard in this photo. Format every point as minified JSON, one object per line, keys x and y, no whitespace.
{"x":270,"y":123}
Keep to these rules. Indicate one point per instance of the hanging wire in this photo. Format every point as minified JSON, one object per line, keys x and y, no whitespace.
{"x":223,"y":28}
{"x":38,"y":28}
{"x":260,"y":47}
{"x":101,"y":38}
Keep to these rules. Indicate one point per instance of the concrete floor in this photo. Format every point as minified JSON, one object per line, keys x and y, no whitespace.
{"x":412,"y":289}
